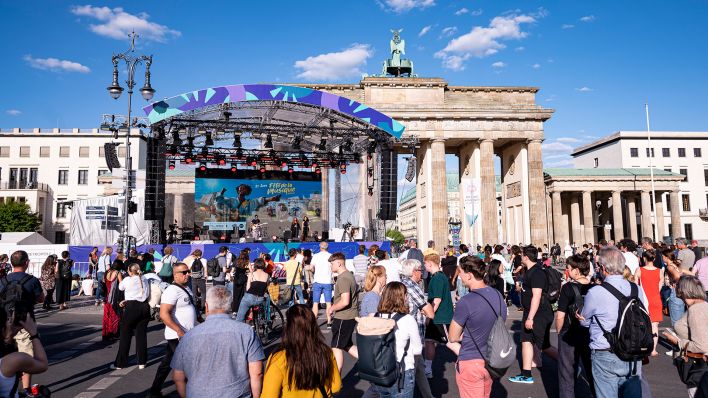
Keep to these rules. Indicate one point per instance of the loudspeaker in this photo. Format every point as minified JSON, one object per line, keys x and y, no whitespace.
{"x":155,"y":180}
{"x":286,"y":235}
{"x":325,"y":236}
{"x":109,"y":152}
{"x":389,"y":188}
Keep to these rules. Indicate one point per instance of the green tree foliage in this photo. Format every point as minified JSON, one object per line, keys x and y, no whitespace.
{"x":395,"y":236}
{"x":18,"y":217}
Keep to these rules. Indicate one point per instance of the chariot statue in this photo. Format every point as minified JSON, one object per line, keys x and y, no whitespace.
{"x":397,"y":66}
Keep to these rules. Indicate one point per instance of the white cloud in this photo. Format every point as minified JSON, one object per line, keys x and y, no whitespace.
{"x":556,"y":147}
{"x":584,"y":89}
{"x":454,"y":63}
{"x":462,"y":11}
{"x":400,"y":6}
{"x":55,"y":65}
{"x":477,"y":12}
{"x":561,"y":163}
{"x":587,"y":18}
{"x":448,"y":31}
{"x":335,"y":65}
{"x":567,"y":139}
{"x":117,"y":24}
{"x":498,"y":65}
{"x":519,"y":49}
{"x":567,"y":26}
{"x":13,"y":112}
{"x":425,"y":30}
{"x":481,"y":42}
{"x":536,"y":65}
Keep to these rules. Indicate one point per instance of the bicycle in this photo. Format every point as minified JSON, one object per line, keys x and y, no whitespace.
{"x":267,"y":319}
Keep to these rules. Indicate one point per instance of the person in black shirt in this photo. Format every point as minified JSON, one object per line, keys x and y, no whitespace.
{"x":449,"y":266}
{"x":573,"y":338}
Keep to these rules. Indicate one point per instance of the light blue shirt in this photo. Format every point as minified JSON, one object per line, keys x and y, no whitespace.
{"x":600,"y":303}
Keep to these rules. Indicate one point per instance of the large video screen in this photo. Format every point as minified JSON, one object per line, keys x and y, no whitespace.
{"x":257,"y":205}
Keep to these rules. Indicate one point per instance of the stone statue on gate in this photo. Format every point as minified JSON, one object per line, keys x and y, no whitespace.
{"x":397,"y":66}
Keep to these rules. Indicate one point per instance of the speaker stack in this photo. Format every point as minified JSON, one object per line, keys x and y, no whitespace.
{"x":155,"y":180}
{"x":389,"y":187}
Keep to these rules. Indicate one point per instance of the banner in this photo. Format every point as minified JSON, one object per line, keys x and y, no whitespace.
{"x":98,"y":221}
{"x":471,"y":198}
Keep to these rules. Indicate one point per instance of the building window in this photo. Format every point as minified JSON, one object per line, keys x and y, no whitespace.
{"x":61,"y":208}
{"x":597,"y":162}
{"x":685,"y":173}
{"x":21,"y":199}
{"x":101,"y":152}
{"x":63,"y":177}
{"x":705,"y":176}
{"x":64,"y":151}
{"x":686,"y":202}
{"x":83,"y":177}
{"x":83,"y":151}
{"x":650,"y":151}
{"x":665,"y":152}
{"x":634,"y":152}
{"x":682,"y":152}
{"x":44,"y":152}
{"x":24,"y":151}
{"x":668,"y":169}
{"x":59,"y":237}
{"x":688,"y":231}
{"x":4,"y":151}
{"x":697,"y":152}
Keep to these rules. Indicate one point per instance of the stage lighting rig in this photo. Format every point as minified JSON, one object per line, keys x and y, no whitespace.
{"x":202,"y":166}
{"x":269,"y":142}
{"x":233,"y":167}
{"x":209,"y":141}
{"x":171,"y":165}
{"x":237,"y":140}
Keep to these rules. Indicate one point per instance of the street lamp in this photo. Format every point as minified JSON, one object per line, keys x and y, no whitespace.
{"x":131,"y":60}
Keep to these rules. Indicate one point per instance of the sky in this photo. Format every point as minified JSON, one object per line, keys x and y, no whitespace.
{"x":596,"y":63}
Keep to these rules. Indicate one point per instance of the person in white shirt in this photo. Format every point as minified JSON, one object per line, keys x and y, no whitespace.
{"x":322,"y":281}
{"x":136,"y":315}
{"x":104,"y":264}
{"x":179,"y":315}
{"x":631,"y":261}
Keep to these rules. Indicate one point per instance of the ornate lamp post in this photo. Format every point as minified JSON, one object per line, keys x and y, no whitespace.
{"x":131,"y":60}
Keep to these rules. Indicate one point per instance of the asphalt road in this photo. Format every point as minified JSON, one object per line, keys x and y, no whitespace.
{"x":79,"y":363}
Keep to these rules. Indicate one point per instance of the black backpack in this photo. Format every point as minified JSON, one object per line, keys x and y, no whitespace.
{"x":197,"y":268}
{"x":15,"y":299}
{"x":553,"y":283}
{"x":377,"y":352}
{"x":578,"y":302}
{"x":65,"y":268}
{"x":213,"y":267}
{"x":631,"y":339}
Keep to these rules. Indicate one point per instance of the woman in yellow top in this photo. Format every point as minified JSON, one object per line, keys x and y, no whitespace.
{"x":304,"y":365}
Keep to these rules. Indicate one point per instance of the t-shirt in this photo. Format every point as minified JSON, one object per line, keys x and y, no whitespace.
{"x":183,"y":311}
{"x":361,"y":263}
{"x":323,"y":270}
{"x":369,"y":303}
{"x":222,"y":264}
{"x":346,"y":284}
{"x":275,"y":380}
{"x":566,"y":299}
{"x":292,"y":272}
{"x":535,"y":278}
{"x":687,"y":258}
{"x":104,"y":263}
{"x":477,"y":318}
{"x":32,"y":287}
{"x":439,"y":287}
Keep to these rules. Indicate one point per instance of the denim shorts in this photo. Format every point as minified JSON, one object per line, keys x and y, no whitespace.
{"x":321,"y":288}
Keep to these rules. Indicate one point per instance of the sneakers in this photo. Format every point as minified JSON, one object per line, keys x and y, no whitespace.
{"x":141,"y":367}
{"x":114,"y":367}
{"x":521,"y":379}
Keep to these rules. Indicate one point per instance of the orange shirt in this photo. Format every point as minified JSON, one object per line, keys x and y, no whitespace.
{"x":275,"y":381}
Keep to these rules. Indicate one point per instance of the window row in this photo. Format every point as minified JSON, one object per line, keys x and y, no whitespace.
{"x":64,"y":151}
{"x":665,"y":152}
{"x":28,"y":177}
{"x":82,"y":177}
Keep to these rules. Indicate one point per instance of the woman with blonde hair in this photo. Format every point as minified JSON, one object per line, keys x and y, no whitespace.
{"x":373,"y":285}
{"x":168,"y":260}
{"x":135,"y":318}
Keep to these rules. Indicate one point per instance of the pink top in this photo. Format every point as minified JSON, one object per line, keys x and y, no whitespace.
{"x":701,"y":271}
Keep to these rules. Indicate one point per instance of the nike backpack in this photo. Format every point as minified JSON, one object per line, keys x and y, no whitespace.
{"x":501,"y":349}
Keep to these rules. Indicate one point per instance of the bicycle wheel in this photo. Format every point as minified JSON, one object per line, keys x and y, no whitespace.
{"x":259,"y":323}
{"x":277,"y":320}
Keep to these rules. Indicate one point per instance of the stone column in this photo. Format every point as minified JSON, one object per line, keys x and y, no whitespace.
{"x":575,"y":219}
{"x":659,"y":208}
{"x":617,"y":222}
{"x":324,"y":208}
{"x":537,"y":207}
{"x":559,"y":235}
{"x":588,"y":220}
{"x":490,"y":227}
{"x":438,"y":181}
{"x":675,"y":215}
{"x":646,"y":214}
{"x":178,"y":210}
{"x":632,"y":217}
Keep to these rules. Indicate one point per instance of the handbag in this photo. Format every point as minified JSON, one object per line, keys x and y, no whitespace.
{"x":690,"y":366}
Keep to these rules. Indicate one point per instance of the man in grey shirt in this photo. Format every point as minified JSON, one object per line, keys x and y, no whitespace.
{"x":685,"y":255}
{"x":223,"y":264}
{"x":220,"y":357}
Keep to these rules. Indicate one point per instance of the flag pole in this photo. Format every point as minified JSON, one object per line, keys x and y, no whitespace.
{"x":651,"y":174}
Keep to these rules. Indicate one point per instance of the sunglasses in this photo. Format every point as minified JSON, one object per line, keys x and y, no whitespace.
{"x":185,"y":272}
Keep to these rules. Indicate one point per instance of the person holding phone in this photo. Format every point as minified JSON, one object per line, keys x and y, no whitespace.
{"x":16,"y":363}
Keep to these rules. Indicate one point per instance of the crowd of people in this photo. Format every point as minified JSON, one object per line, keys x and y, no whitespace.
{"x":606,"y":306}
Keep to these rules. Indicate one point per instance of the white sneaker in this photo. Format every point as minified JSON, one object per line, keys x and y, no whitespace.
{"x":141,"y":366}
{"x":114,"y":367}
{"x":670,"y":353}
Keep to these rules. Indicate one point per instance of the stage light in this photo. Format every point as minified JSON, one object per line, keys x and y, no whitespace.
{"x":251,"y":161}
{"x":171,"y":165}
{"x":202,"y":166}
{"x":323,"y":145}
{"x":284,"y":163}
{"x":290,"y":169}
{"x":314,"y":164}
{"x":343,"y":168}
{"x":220,"y":160}
{"x":317,"y":170}
{"x":209,"y":141}
{"x":269,"y":142}
{"x":237,"y":141}
{"x":188,"y":158}
{"x":176,"y":140}
{"x":233,"y":167}
{"x":262,"y":169}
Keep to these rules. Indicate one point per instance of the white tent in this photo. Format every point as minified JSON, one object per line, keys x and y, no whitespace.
{"x":86,"y":224}
{"x":23,"y":238}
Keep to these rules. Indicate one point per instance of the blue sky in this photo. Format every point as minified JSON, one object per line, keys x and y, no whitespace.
{"x":596,"y":62}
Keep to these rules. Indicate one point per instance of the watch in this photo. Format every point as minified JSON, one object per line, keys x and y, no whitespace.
{"x":34,"y":336}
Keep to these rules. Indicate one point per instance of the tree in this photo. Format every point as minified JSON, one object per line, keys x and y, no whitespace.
{"x":396,"y":236}
{"x":18,"y":217}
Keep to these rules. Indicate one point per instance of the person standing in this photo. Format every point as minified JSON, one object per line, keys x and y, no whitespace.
{"x":673,"y":268}
{"x":537,"y":317}
{"x":93,"y":262}
{"x":344,"y":310}
{"x":305,"y":228}
{"x":197,"y":265}
{"x":652,"y":279}
{"x":220,"y":278}
{"x":685,"y":256}
{"x":240,"y":279}
{"x":294,"y":228}
{"x":293,"y":272}
{"x":48,"y":280}
{"x":700,"y":270}
{"x":135,"y":318}
{"x":471,"y":325}
{"x":361,"y":264}
{"x":439,"y":297}
{"x":220,"y":357}
{"x":373,"y":285}
{"x":304,"y":365}
{"x":178,"y":313}
{"x":111,"y":319}
{"x":322,"y":281}
{"x":168,"y":262}
{"x":104,"y":264}
{"x":63,"y":284}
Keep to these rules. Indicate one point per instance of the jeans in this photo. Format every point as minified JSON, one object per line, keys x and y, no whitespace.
{"x":676,"y":307}
{"x":613,"y":377}
{"x":393,"y":392}
{"x":296,"y":294}
{"x":473,"y":380}
{"x":99,"y":278}
{"x":247,"y":302}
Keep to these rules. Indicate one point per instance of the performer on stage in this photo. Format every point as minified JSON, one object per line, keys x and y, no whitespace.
{"x":295,"y":228}
{"x":305,"y":228}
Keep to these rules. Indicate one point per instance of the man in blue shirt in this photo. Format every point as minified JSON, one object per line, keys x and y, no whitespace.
{"x":610,"y":373}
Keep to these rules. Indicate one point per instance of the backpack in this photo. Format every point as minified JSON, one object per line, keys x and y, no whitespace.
{"x":553,"y":282}
{"x":65,"y":268}
{"x":213,"y":267}
{"x":578,"y":303}
{"x":15,"y":299}
{"x":376,"y":340}
{"x":197,"y":268}
{"x":631,"y":339}
{"x":501,"y":349}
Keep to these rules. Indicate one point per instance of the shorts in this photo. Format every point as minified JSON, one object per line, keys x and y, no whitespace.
{"x":436,"y":332}
{"x":24,"y":344}
{"x":540,"y":335}
{"x":321,"y":288}
{"x":342,"y":333}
